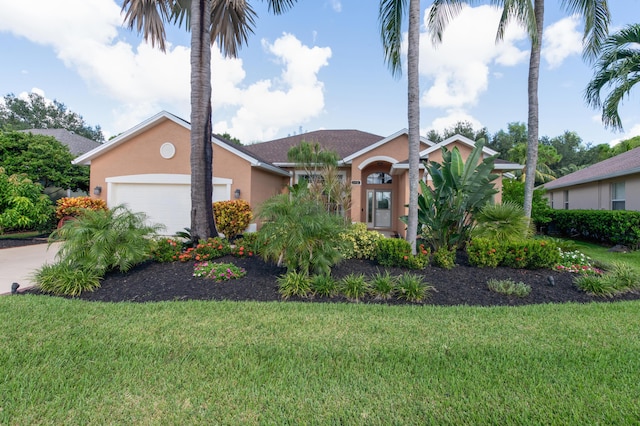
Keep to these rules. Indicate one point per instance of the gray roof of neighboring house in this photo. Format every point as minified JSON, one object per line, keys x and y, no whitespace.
{"x":343,"y":142}
{"x":621,"y":165}
{"x":77,"y":144}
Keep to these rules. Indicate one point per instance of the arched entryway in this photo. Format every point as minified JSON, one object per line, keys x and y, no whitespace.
{"x":379,"y":194}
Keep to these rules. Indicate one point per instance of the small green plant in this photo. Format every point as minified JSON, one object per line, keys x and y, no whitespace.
{"x":509,"y":287}
{"x":218,"y":271}
{"x":620,"y":278}
{"x":294,"y":283}
{"x":247,"y":245}
{"x":412,"y":288}
{"x":166,"y":250}
{"x":485,"y":252}
{"x":445,"y":257}
{"x":63,"y":279}
{"x":324,"y":285}
{"x":354,"y":286}
{"x":383,"y":285}
{"x":210,"y":249}
{"x":502,"y":222}
{"x":360,"y":243}
{"x":597,"y":285}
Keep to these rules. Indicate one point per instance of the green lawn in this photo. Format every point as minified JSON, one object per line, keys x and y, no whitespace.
{"x":75,"y":362}
{"x":603,"y":254}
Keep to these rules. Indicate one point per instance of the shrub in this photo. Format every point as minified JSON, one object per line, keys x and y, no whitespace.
{"x":294,"y":283}
{"x":509,"y":287}
{"x":232,"y":217}
{"x":445,"y":257}
{"x":411,"y":287}
{"x":22,"y":204}
{"x":247,"y":245}
{"x":502,"y":222}
{"x":485,"y":252}
{"x":354,"y":286}
{"x":382,"y":285}
{"x":324,"y":285}
{"x":166,"y":250}
{"x":360,"y":243}
{"x":74,"y":206}
{"x":513,"y":191}
{"x":397,"y":252}
{"x":611,"y":226}
{"x":209,"y":249}
{"x":218,"y":271}
{"x":597,"y":285}
{"x":531,"y":254}
{"x":65,"y":279}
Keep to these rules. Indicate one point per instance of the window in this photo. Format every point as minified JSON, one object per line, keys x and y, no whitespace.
{"x":566,"y":200}
{"x":617,"y":196}
{"x":378,"y":178}
{"x":551,"y":199}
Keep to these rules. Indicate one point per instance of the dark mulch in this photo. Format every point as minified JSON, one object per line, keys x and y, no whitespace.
{"x":462,"y":285}
{"x":19,"y":242}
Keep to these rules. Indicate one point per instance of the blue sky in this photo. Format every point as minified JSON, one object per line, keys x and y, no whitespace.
{"x":319,"y":66}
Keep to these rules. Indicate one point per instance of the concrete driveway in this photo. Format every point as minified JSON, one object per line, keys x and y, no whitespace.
{"x":19,"y":263}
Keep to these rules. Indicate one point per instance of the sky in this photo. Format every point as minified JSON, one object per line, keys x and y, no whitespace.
{"x":318,"y":66}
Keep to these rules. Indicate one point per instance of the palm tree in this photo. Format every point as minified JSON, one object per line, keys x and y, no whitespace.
{"x":618,"y":68}
{"x":391,"y":13}
{"x":227,"y":22}
{"x":530,"y":14}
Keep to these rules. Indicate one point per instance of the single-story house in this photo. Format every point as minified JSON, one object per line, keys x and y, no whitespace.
{"x":612,"y":184}
{"x":147,"y":168}
{"x":76,"y":143}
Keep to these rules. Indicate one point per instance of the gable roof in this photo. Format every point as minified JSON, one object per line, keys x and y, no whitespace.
{"x":343,"y":142}
{"x":77,"y":144}
{"x":382,"y":142}
{"x":623,"y":164}
{"x":497,"y":163}
{"x":162,"y":116}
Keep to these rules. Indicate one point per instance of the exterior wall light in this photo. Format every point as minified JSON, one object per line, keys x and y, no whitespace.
{"x":236,"y":193}
{"x":97,"y":190}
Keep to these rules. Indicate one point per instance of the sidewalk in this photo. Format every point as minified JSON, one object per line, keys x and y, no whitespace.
{"x":19,"y":263}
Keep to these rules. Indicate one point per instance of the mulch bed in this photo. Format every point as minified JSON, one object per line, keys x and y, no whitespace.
{"x":462,"y":285}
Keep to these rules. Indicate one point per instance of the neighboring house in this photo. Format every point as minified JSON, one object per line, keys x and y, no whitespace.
{"x":612,"y":184}
{"x":147,"y":167}
{"x":77,"y":144}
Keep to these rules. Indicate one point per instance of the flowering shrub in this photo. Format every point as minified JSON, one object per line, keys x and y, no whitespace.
{"x":218,"y":271}
{"x":206,"y":250}
{"x":247,"y":245}
{"x":576,"y":262}
{"x":360,"y":243}
{"x":232,"y":217}
{"x":166,"y":250}
{"x":485,"y":252}
{"x":397,"y":252}
{"x":73,"y":206}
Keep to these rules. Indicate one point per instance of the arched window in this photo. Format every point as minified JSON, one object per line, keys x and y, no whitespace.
{"x":378,"y":178}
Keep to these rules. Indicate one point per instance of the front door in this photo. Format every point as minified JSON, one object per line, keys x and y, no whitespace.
{"x":378,"y":208}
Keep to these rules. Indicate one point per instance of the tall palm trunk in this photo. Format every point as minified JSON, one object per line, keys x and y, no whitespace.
{"x":202,"y":222}
{"x":533,"y":120}
{"x":414,"y":120}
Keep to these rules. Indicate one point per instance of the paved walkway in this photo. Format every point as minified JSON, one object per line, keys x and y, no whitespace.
{"x":18,"y":264}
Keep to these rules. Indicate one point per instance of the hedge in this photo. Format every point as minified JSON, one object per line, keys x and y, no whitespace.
{"x":607,"y":226}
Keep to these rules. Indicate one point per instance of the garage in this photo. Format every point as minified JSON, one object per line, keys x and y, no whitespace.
{"x":164,"y":198}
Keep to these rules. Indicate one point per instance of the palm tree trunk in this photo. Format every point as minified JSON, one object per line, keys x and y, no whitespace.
{"x":414,"y":120}
{"x":202,"y":220}
{"x":532,"y":124}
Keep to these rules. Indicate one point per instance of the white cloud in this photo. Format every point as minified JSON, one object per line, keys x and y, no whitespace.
{"x":632,"y":132}
{"x":561,"y":40}
{"x":458,"y":69}
{"x":336,"y":5}
{"x":451,"y":119}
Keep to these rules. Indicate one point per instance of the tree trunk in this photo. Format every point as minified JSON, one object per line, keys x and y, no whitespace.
{"x":202,"y":220}
{"x":532,"y":143}
{"x":413,"y":107}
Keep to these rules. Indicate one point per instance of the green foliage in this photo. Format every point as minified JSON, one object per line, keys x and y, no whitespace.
{"x":43,"y":159}
{"x":300,"y":234}
{"x":232,"y":217}
{"x":36,"y":112}
{"x":324,"y":285}
{"x":102,"y":240}
{"x":509,"y":287}
{"x":218,"y":271}
{"x":294,"y":283}
{"x":513,"y":192}
{"x":65,"y":279}
{"x":247,"y":245}
{"x":354,"y":286}
{"x":460,"y":190}
{"x":621,"y":278}
{"x":502,"y":222}
{"x":397,"y":252}
{"x":485,"y":252}
{"x":22,"y":204}
{"x":411,"y":287}
{"x":445,"y":257}
{"x":360,"y":243}
{"x":610,"y":226}
{"x":383,"y":285}
{"x":166,"y":250}
{"x":209,"y":249}
{"x":577,"y":262}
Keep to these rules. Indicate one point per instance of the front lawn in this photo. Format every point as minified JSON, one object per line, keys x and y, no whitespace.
{"x":75,"y":362}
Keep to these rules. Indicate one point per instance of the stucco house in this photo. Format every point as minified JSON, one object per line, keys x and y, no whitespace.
{"x":147,"y":167}
{"x":612,"y":184}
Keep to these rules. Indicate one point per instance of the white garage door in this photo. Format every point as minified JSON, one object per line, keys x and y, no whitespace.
{"x":165,"y":199}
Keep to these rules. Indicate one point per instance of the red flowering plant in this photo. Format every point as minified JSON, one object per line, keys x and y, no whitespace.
{"x":166,"y":250}
{"x":212,"y":248}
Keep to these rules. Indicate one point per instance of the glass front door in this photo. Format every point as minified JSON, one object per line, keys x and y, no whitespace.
{"x":378,"y":208}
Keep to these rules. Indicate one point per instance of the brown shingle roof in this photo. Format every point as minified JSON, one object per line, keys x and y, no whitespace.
{"x":621,"y":165}
{"x":343,"y":142}
{"x":77,"y":144}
